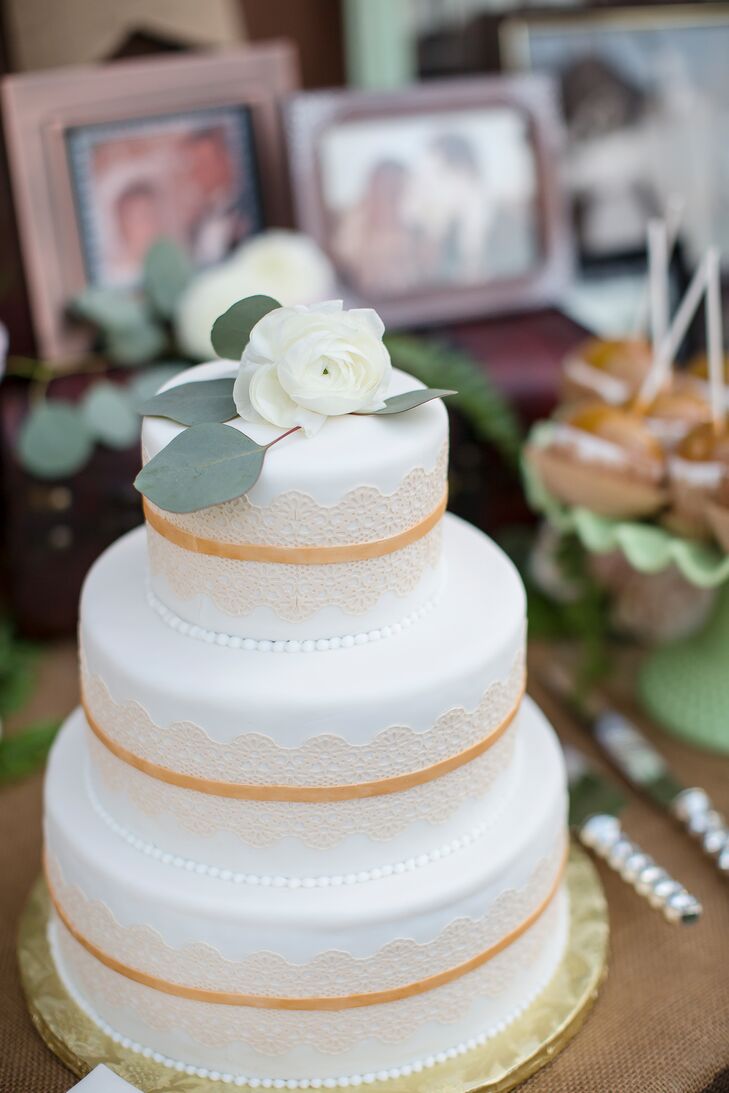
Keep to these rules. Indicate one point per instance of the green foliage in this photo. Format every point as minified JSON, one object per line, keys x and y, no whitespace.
{"x":130,"y":331}
{"x":231,"y":331}
{"x":167,"y":273}
{"x":485,"y":408}
{"x":17,"y":664}
{"x":54,"y":440}
{"x":110,"y":309}
{"x":23,"y":752}
{"x":109,"y":415}
{"x":204,"y":465}
{"x":194,"y":403}
{"x":584,"y":617}
{"x":410,"y":399}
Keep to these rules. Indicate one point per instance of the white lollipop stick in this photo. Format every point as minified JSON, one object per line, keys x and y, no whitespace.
{"x":663,"y":359}
{"x":658,"y":281}
{"x":673,"y":220}
{"x":715,"y":340}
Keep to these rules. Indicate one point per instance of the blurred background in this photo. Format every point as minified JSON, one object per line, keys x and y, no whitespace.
{"x":480,"y":171}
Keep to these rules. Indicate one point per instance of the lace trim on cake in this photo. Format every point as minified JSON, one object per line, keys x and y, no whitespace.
{"x":294,"y":593}
{"x":328,"y":974}
{"x":276,"y":1032}
{"x":295,"y":519}
{"x":325,"y":760}
{"x":319,"y":826}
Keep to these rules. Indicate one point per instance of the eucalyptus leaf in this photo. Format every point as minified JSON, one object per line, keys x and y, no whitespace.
{"x":204,"y":465}
{"x":109,"y":415}
{"x":231,"y":331}
{"x":54,"y":441}
{"x":111,"y":309}
{"x":149,"y":381}
{"x":136,"y":345}
{"x":167,"y":272}
{"x":194,"y":403}
{"x":410,"y":399}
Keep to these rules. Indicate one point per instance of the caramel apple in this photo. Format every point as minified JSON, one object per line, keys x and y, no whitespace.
{"x":605,"y":459}
{"x":605,"y":370}
{"x":674,"y":413}
{"x":696,"y":472}
{"x":696,"y":376}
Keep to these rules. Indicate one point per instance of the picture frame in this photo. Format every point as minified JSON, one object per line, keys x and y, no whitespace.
{"x":44,"y":113}
{"x":525,"y":106}
{"x":658,"y":79}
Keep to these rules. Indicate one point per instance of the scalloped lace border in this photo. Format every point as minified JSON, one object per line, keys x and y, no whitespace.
{"x":266,"y":880}
{"x":344,"y":1082}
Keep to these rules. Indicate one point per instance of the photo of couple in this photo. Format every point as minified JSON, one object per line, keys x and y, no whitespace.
{"x":187,"y":177}
{"x":434,"y":200}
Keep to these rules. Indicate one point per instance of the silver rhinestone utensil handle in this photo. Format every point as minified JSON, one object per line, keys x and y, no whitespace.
{"x":695,"y":812}
{"x":604,"y":835}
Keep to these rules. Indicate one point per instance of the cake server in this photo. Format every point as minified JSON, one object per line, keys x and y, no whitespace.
{"x":645,"y":768}
{"x":595,"y":802}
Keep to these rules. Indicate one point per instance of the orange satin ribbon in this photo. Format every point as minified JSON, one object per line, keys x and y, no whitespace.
{"x":337,"y":1002}
{"x":318,"y":794}
{"x":305,"y":555}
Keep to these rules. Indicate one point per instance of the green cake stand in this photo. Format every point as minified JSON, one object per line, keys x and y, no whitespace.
{"x":684,"y":684}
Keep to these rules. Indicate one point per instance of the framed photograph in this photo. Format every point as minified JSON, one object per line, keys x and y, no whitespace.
{"x":105,"y":160}
{"x":436,"y":202}
{"x":645,"y":95}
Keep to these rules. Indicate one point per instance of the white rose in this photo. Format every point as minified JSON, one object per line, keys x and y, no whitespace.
{"x":304,"y":364}
{"x":286,"y":265}
{"x":208,"y":295}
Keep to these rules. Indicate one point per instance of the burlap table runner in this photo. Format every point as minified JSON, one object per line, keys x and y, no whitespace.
{"x":661,"y":1024}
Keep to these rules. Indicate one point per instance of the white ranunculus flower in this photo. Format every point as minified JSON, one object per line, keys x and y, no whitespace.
{"x":304,"y":364}
{"x":286,"y":265}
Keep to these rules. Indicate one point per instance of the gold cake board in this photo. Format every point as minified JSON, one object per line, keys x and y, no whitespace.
{"x":507,"y":1059}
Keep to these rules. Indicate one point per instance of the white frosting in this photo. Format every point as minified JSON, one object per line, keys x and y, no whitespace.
{"x":349,"y":451}
{"x":704,"y":473}
{"x":610,"y":388}
{"x":590,"y":447}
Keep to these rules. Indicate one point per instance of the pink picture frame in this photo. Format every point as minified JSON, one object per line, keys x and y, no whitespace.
{"x":313,"y":117}
{"x":40,"y":109}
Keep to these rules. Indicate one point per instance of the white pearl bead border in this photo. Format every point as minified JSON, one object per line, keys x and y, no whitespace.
{"x":407,"y":865}
{"x":352,"y":1081}
{"x":310,"y":645}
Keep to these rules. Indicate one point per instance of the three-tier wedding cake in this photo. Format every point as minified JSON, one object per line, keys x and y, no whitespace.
{"x":306,"y":831}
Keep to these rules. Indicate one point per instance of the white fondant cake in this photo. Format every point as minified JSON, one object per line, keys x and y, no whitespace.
{"x":306,"y":831}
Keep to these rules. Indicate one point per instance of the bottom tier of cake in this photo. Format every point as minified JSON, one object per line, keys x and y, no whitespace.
{"x":213,"y":1040}
{"x":308,"y":987}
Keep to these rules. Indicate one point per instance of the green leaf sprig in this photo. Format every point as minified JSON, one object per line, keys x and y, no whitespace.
{"x":209,"y":463}
{"x":22,"y":752}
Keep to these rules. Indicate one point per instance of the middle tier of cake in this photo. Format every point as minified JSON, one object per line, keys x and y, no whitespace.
{"x":302,"y":766}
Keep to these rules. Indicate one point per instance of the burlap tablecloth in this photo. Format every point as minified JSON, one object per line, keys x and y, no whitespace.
{"x":661,"y":1024}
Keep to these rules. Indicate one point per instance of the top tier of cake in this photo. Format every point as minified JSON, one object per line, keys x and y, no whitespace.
{"x":340,"y":537}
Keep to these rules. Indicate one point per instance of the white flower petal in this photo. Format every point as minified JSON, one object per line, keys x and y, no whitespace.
{"x":242,"y":394}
